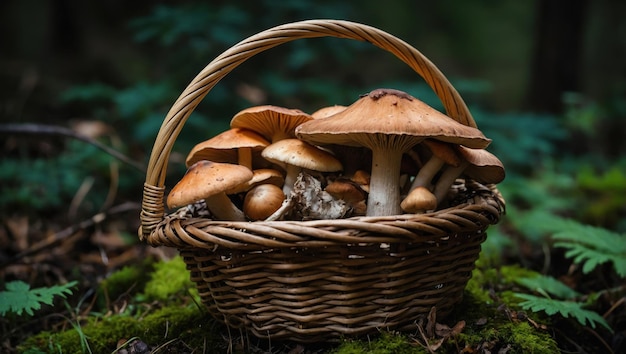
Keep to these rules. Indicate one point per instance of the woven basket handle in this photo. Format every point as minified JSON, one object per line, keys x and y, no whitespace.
{"x":153,"y":196}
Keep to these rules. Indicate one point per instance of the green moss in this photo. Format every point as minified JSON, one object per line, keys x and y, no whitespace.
{"x":169,"y":278}
{"x":491,"y":320}
{"x":386,"y":343}
{"x":129,"y":280}
{"x":187,"y":325}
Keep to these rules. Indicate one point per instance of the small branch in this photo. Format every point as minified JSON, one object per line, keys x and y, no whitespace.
{"x":71,"y":230}
{"x":29,"y":128}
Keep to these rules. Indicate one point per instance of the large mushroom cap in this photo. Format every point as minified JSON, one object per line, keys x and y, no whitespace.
{"x":223,"y":147}
{"x":204,"y":179}
{"x":388,"y":112}
{"x":273,"y":122}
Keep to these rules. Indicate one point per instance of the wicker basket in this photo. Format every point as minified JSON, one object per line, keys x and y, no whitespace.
{"x":321,"y":280}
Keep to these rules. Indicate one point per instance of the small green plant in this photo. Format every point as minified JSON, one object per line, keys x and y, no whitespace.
{"x":588,"y":247}
{"x":550,"y":287}
{"x":566,"y":308}
{"x":19,"y":297}
{"x":591,"y":246}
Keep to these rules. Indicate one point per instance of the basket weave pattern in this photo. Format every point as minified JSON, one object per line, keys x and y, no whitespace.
{"x":315,"y":280}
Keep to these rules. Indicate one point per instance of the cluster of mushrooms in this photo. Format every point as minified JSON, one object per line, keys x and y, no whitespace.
{"x":386,"y":154}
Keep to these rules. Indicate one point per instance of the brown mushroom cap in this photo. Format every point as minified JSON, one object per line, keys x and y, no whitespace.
{"x":326,"y":112}
{"x":205,"y":179}
{"x":262,"y":201}
{"x":483,"y":167}
{"x":389,"y":112}
{"x":419,"y":200}
{"x":227,"y":147}
{"x":273,"y":122}
{"x":345,"y":190}
{"x":260,"y":176}
{"x":301,"y":154}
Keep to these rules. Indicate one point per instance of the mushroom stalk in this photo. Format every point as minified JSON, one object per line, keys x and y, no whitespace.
{"x":446,"y":179}
{"x":384,"y":196}
{"x":427,"y":172}
{"x":223,"y":209}
{"x":244,"y":157}
{"x":291,"y":175}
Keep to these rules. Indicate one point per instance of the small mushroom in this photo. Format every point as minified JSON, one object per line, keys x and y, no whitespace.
{"x":362,"y":178}
{"x":442,"y":153}
{"x":260,"y":176}
{"x":209,"y":180}
{"x":262,"y":201}
{"x":350,"y":192}
{"x":294,"y":155}
{"x":419,"y":200}
{"x":388,"y":122}
{"x":232,"y":146}
{"x":273,"y":122}
{"x":479,"y":163}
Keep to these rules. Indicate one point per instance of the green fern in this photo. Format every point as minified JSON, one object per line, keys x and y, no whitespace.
{"x":546,"y":284}
{"x":566,"y":308}
{"x":19,"y":297}
{"x":592,"y":246}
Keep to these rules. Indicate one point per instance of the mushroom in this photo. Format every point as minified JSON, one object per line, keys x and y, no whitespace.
{"x":262,"y":201}
{"x":350,"y":192}
{"x":260,"y":176}
{"x":209,"y":180}
{"x":388,"y":122}
{"x":326,"y":112}
{"x":476,"y":163}
{"x":362,"y":178}
{"x":419,"y":200}
{"x":233,"y":145}
{"x":294,"y":155}
{"x":273,"y":122}
{"x":442,"y":153}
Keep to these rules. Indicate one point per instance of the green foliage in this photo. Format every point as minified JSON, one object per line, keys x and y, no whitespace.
{"x":567,"y":309}
{"x":19,"y":297}
{"x":548,"y":284}
{"x":592,"y":246}
{"x":519,"y":139}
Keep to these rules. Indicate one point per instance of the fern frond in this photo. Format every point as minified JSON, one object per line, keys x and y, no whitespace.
{"x":567,"y":309}
{"x":19,"y":297}
{"x":549,"y":285}
{"x":592,"y":246}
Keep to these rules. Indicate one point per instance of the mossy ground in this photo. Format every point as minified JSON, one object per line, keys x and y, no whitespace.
{"x":165,"y":314}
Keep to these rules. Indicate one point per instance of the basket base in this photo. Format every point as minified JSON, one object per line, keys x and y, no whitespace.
{"x":312,"y":295}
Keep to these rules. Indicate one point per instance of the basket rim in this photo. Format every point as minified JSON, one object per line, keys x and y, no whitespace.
{"x":182,"y":230}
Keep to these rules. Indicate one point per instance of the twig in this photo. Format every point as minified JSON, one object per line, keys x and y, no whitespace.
{"x":69,"y":231}
{"x":29,"y":128}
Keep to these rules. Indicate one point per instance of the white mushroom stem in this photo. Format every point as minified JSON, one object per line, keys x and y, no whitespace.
{"x":446,"y":179}
{"x":384,"y":195}
{"x":291,"y":175}
{"x":223,"y":209}
{"x":427,"y":172}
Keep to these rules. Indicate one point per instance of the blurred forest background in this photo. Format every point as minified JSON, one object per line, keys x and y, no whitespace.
{"x":546,"y":80}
